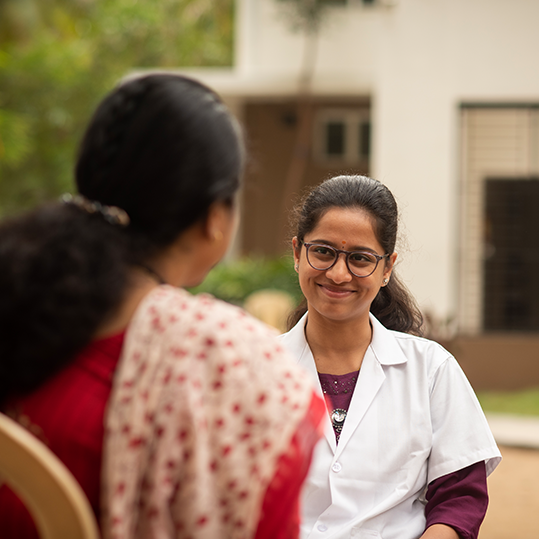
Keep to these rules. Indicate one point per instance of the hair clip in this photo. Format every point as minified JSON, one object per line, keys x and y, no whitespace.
{"x":112,"y":214}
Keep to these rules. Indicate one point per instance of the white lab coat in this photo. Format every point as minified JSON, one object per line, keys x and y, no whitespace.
{"x":413,"y":418}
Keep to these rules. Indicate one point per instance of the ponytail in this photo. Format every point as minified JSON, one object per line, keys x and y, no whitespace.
{"x":295,"y":316}
{"x":396,"y":308}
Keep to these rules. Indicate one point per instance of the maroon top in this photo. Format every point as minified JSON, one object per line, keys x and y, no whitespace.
{"x":458,"y":499}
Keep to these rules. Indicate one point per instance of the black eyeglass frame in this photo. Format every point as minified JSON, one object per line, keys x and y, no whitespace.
{"x":347,"y":254}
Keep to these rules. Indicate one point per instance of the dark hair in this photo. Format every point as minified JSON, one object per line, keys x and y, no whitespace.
{"x":163,"y":148}
{"x":394,"y":306}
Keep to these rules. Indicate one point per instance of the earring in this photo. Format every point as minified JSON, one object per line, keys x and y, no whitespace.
{"x":297,"y":267}
{"x":385,"y":282}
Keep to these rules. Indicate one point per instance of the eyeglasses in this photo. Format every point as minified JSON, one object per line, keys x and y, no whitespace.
{"x":359,"y":263}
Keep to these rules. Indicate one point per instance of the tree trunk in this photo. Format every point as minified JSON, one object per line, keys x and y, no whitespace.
{"x":304,"y":120}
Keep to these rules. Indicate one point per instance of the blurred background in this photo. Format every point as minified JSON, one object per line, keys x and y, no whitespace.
{"x":438,"y":99}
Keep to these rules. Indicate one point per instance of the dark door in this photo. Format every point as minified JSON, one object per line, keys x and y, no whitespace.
{"x":511,"y":266}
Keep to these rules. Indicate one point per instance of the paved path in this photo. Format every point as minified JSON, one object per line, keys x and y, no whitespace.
{"x":513,"y":511}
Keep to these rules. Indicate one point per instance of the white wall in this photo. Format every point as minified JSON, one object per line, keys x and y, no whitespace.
{"x":418,"y":61}
{"x":435,"y":54}
{"x":268,"y":49}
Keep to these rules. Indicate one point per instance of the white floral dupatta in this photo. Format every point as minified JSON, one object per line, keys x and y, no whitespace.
{"x":204,"y":402}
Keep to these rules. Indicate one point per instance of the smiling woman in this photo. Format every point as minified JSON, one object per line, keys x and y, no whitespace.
{"x":407,"y":447}
{"x":393,"y":306}
{"x":344,"y":285}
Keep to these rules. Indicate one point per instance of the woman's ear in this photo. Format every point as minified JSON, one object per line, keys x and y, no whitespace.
{"x":217,"y":223}
{"x":389,"y":266}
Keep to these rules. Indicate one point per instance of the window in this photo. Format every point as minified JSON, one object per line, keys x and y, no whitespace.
{"x":511,"y":259}
{"x":335,"y":139}
{"x":499,"y":232}
{"x":342,"y":136}
{"x":365,"y":139}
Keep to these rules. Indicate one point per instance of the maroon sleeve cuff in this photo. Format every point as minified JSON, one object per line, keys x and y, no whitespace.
{"x":459,"y":500}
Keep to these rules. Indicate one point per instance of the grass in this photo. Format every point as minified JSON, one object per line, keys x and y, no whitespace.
{"x":524,"y":402}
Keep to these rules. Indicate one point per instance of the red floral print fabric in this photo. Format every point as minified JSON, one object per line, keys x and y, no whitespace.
{"x":204,"y":405}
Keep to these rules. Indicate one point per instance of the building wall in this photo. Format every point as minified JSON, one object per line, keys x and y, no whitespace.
{"x":435,"y":55}
{"x":417,"y":61}
{"x":267,"y":45}
{"x":271,"y":127}
{"x":498,"y":362}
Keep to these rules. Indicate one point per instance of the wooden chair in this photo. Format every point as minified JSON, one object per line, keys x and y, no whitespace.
{"x":52,"y":495}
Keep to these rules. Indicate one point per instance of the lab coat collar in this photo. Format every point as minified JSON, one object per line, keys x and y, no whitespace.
{"x":383,"y":350}
{"x":384,"y":345}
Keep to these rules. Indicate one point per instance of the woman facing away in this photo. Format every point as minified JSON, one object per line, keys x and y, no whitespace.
{"x":179,"y":415}
{"x":407,"y":449}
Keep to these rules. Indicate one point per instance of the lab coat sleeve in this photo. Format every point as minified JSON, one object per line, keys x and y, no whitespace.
{"x":460,"y":432}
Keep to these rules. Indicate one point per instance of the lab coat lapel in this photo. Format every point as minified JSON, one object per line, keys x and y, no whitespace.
{"x":370,"y":380}
{"x":296,"y":343}
{"x":306,"y":360}
{"x":383,"y":351}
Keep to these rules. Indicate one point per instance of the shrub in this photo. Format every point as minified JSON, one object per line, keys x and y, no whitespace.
{"x":233,"y":281}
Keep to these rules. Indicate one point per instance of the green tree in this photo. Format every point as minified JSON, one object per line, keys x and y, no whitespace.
{"x":59,"y":57}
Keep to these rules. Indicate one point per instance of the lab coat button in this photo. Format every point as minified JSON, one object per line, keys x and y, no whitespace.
{"x":336,"y":467}
{"x":322,"y":528}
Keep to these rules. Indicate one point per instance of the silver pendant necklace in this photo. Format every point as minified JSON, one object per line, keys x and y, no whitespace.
{"x":337,"y":419}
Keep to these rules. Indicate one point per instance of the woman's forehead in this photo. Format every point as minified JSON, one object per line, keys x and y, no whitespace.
{"x":345,"y":218}
{"x":350,"y":227}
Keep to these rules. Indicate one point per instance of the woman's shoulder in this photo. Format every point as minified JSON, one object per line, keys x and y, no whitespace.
{"x":416,"y":349}
{"x":172,"y":318}
{"x":167,"y":303}
{"x":420,"y":341}
{"x":175,"y":330}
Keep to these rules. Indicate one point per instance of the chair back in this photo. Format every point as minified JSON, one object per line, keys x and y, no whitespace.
{"x":49,"y":490}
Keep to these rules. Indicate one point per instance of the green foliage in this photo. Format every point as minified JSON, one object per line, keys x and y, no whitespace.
{"x":15,"y":144}
{"x":234,"y":281}
{"x":525,"y":402}
{"x":59,"y":57}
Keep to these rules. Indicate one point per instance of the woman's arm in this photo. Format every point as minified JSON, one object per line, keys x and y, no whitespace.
{"x":458,"y":501}
{"x":440,"y":531}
